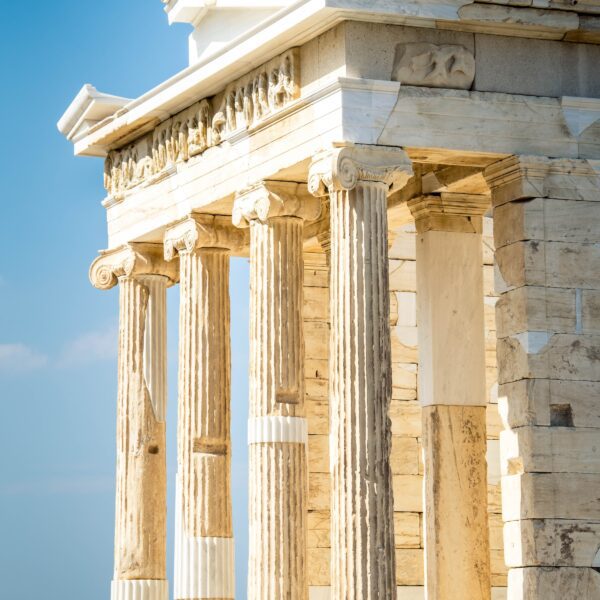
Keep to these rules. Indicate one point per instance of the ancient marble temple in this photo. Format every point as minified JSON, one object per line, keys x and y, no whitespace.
{"x":416,"y":184}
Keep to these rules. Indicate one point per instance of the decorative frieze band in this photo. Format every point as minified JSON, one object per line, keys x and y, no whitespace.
{"x":202,"y":231}
{"x":270,"y":199}
{"x":344,"y":167}
{"x":243,"y":105}
{"x":132,"y":260}
{"x":292,"y":430}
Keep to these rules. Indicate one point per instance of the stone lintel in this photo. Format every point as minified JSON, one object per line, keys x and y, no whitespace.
{"x":270,"y":199}
{"x":202,"y":231}
{"x":341,"y":168}
{"x":525,"y":177}
{"x":459,"y":213}
{"x":132,"y":260}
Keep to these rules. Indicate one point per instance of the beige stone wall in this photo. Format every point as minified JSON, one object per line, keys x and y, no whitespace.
{"x":407,"y":467}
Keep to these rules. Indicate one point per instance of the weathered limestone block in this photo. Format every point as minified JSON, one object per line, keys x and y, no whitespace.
{"x":456,"y":502}
{"x":452,"y":391}
{"x":204,"y":546}
{"x":141,"y":503}
{"x":563,"y":583}
{"x":278,"y":433}
{"x":357,"y":180}
{"x":552,"y":542}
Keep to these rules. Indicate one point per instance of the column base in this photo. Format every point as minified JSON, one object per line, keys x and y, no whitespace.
{"x":140,"y":589}
{"x":205,"y":568}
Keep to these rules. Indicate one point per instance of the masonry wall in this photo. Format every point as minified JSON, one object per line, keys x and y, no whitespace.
{"x":405,"y":414}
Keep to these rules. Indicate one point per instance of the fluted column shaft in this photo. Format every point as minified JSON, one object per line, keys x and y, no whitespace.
{"x":141,"y":503}
{"x":362,"y":531}
{"x":277,"y":430}
{"x":452,"y":393}
{"x":204,"y":545}
{"x":360,"y":393}
{"x":278,"y":470}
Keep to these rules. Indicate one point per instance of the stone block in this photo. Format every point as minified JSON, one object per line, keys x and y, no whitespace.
{"x":551,"y":264}
{"x":317,"y":412}
{"x":551,"y":496}
{"x":550,"y":450}
{"x":407,"y":530}
{"x":496,"y":531}
{"x":403,"y":275}
{"x":404,"y":246}
{"x":551,"y":543}
{"x":404,"y":375}
{"x":536,"y":308}
{"x":318,"y":566}
{"x":498,"y":567}
{"x":537,"y":355}
{"x":316,"y":303}
{"x":408,"y":493}
{"x":562,"y":583}
{"x":547,"y":219}
{"x":590,"y":311}
{"x":409,"y":566}
{"x":316,"y":339}
{"x":318,"y":491}
{"x":407,"y":394}
{"x":404,"y":458}
{"x":315,"y":368}
{"x":536,"y":67}
{"x":318,"y":453}
{"x":404,"y":345}
{"x":406,"y":418}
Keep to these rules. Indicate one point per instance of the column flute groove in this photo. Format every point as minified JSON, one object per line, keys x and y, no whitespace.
{"x":140,"y":509}
{"x":275,"y":213}
{"x":357,"y":180}
{"x":204,"y":546}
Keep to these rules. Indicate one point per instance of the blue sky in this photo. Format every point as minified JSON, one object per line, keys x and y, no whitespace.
{"x":58,"y":334}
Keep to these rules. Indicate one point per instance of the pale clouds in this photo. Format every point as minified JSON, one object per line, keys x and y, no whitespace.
{"x":20,"y":358}
{"x":92,"y":346}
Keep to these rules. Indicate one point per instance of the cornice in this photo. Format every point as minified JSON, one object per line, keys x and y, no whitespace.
{"x":132,"y":260}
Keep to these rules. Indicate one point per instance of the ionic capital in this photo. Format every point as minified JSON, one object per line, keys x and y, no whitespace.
{"x":269,"y":199}
{"x":132,"y":260}
{"x":522,"y":177}
{"x":342,"y":168}
{"x":202,"y":231}
{"x":460,"y":213}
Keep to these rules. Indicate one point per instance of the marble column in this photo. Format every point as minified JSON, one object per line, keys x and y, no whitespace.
{"x":275,"y":213}
{"x":452,"y":393}
{"x":141,"y":503}
{"x":204,"y":546}
{"x":358,"y":180}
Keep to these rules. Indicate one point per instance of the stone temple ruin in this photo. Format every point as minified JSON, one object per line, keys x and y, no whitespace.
{"x":417,"y":186}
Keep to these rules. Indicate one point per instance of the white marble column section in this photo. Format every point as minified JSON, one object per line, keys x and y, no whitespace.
{"x":452,"y":393}
{"x":275,"y":212}
{"x":358,"y":180}
{"x":204,"y":545}
{"x":141,"y":506}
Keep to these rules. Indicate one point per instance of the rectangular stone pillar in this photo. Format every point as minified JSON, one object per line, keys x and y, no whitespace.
{"x":141,"y":502}
{"x":277,"y":430}
{"x":547,"y":235}
{"x":357,"y":180}
{"x":204,"y":545}
{"x":452,"y":393}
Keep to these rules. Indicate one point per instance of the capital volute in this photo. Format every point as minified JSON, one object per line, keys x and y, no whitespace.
{"x":270,"y":199}
{"x":341,"y":168}
{"x":202,"y":231}
{"x":131,"y":260}
{"x":452,"y":212}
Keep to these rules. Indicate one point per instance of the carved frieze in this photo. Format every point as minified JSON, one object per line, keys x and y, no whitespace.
{"x":432,"y":65}
{"x":244,"y":104}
